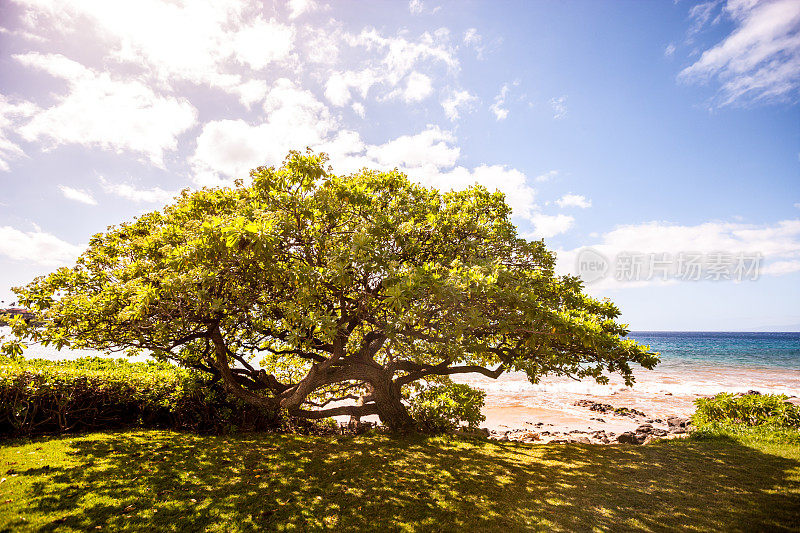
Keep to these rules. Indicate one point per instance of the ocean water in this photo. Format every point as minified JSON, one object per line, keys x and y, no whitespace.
{"x":690,"y":349}
{"x":692,"y":364}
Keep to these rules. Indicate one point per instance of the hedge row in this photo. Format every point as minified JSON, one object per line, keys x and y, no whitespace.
{"x":41,"y":396}
{"x":748,"y":410}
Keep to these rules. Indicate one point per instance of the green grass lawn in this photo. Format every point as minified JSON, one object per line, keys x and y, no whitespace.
{"x":168,"y":481}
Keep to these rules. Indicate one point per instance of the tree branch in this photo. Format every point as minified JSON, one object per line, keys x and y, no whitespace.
{"x":352,"y":410}
{"x":417,"y":371}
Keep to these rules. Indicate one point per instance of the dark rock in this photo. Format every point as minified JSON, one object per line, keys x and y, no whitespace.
{"x":677,"y":422}
{"x":627,"y":411}
{"x":608,"y":408}
{"x":629,"y":437}
{"x":475,"y":433}
{"x":595,"y":406}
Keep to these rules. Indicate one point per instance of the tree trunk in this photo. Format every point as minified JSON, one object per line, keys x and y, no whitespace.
{"x":391,"y":410}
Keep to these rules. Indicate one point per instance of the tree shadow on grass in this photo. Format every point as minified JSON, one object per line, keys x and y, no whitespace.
{"x":145,"y":481}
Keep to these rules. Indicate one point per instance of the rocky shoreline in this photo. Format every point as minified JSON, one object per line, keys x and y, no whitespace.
{"x":648,"y":429}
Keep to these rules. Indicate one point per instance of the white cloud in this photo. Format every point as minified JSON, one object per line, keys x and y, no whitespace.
{"x":760,"y":59}
{"x":779,"y":268}
{"x":574,"y":200}
{"x":430,"y":157}
{"x":346,"y":150}
{"x":36,"y":247}
{"x":155,"y":195}
{"x":559,"y":106}
{"x":401,"y":55}
{"x":228,"y":149}
{"x":473,"y":39}
{"x":700,"y":15}
{"x":782,"y":238}
{"x":77,"y":195}
{"x":547,"y":176}
{"x":24,"y":34}
{"x":359,"y":109}
{"x":295,"y":108}
{"x":778,"y":244}
{"x":262,"y":42}
{"x":299,"y":7}
{"x":337,"y":90}
{"x":418,"y":87}
{"x":669,"y":50}
{"x":321,"y":44}
{"x":546,"y":226}
{"x":456,"y":102}
{"x":251,"y":91}
{"x":111,"y":113}
{"x":339,"y":85}
{"x":513,"y":183}
{"x":11,"y":115}
{"x":500,"y":112}
{"x":392,"y":65}
{"x":429,"y":148}
{"x":193,"y":41}
{"x":415,"y":6}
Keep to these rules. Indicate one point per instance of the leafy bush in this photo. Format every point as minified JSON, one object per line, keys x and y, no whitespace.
{"x":41,"y":396}
{"x":748,"y":410}
{"x":443,"y":408}
{"x":755,"y":417}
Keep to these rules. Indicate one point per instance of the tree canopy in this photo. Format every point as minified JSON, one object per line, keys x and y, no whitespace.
{"x":329,"y":295}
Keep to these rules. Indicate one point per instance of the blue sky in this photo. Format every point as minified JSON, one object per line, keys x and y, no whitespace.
{"x":626,"y":127}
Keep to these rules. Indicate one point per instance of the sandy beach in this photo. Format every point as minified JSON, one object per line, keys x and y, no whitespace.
{"x":560,"y":408}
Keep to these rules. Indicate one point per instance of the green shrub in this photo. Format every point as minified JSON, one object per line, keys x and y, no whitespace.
{"x":753,"y":417}
{"x":42,"y":396}
{"x":443,"y":408}
{"x":748,"y":410}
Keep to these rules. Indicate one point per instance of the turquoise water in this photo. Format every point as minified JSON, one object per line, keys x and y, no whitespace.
{"x":692,"y":364}
{"x":685,"y":350}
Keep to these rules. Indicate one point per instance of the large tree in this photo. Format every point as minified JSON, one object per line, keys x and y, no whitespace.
{"x":327,"y":295}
